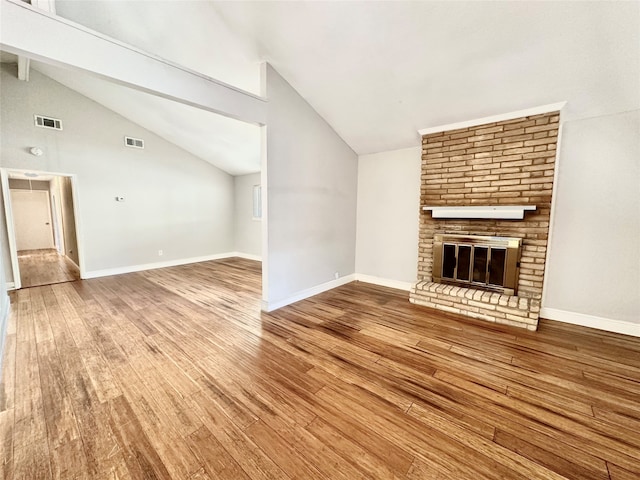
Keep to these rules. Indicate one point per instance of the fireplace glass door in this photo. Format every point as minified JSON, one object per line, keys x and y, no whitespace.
{"x":490,"y":263}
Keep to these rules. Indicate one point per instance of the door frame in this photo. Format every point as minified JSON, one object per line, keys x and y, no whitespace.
{"x":58,"y":239}
{"x":11,"y":234}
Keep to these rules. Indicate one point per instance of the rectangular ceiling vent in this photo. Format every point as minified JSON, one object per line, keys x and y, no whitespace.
{"x":48,"y":122}
{"x":133,"y":142}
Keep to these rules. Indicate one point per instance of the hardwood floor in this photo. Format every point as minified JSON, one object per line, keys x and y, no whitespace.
{"x":175,"y":373}
{"x":44,"y":267}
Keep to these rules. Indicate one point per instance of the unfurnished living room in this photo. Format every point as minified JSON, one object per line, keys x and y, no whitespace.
{"x":319,"y":240}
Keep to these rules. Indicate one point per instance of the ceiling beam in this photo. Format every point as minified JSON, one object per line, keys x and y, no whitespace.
{"x":48,"y":5}
{"x":24,"y":64}
{"x":37,"y":34}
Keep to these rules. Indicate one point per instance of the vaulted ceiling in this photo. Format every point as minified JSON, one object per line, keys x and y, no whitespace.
{"x":231,"y":145}
{"x":379,"y":71}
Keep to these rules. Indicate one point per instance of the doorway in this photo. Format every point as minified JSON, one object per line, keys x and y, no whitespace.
{"x":40,"y":210}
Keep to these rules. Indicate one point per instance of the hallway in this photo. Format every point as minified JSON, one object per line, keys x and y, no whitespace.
{"x":45,"y":267}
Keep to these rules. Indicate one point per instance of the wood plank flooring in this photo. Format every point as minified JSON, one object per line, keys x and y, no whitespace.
{"x":45,"y":267}
{"x":175,"y":374}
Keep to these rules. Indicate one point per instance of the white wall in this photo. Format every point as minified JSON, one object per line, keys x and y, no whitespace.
{"x":173,"y":200}
{"x":311,"y":190}
{"x":594,"y":257}
{"x":388,"y":214}
{"x":593,"y":275}
{"x":248,"y":231}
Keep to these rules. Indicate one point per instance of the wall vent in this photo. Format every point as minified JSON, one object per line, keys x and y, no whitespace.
{"x":133,"y":142}
{"x":48,"y":122}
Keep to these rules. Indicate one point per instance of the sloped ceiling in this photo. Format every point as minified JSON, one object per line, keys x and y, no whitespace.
{"x":379,"y":71}
{"x":228,"y":144}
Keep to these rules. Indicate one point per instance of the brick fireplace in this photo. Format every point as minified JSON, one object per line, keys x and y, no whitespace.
{"x":495,"y":165}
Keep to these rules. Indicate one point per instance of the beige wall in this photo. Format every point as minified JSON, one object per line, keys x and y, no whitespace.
{"x":68,"y":220}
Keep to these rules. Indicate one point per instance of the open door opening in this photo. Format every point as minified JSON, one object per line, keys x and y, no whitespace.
{"x":40,"y":210}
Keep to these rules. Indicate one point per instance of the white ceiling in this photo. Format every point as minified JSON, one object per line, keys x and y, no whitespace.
{"x":229,"y":144}
{"x":379,"y":71}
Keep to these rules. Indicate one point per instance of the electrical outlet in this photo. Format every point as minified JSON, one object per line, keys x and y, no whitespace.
{"x":160,"y":253}
{"x":336,"y":275}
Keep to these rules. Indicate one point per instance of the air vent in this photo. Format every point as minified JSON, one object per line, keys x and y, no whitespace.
{"x":48,"y":122}
{"x":133,"y":142}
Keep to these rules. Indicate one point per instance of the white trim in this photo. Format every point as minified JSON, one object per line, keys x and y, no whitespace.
{"x":384,"y":282}
{"x":309,"y":292}
{"x":248,"y":256}
{"x":511,"y":212}
{"x":608,"y":324}
{"x":44,"y":173}
{"x":264,"y":191}
{"x":11,"y":234}
{"x":56,"y":214}
{"x":152,"y":266}
{"x":75,"y":197}
{"x":11,"y":285}
{"x":552,"y":107}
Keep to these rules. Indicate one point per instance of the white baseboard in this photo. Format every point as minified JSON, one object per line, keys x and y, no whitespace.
{"x":384,"y":282}
{"x":11,"y":285}
{"x":309,"y":292}
{"x":151,"y":266}
{"x":248,"y":256}
{"x":610,"y":325}
{"x":72,"y":261}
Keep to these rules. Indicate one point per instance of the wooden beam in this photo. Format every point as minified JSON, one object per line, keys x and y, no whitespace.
{"x":39,"y":35}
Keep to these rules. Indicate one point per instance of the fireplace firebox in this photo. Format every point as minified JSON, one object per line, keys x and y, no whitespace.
{"x":476,"y":261}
